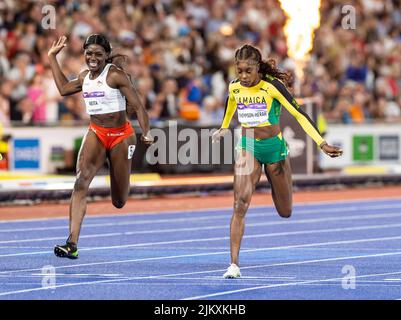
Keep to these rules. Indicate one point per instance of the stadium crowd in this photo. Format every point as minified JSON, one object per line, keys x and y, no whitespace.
{"x":181,"y":56}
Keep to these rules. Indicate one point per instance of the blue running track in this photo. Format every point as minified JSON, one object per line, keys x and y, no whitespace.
{"x":330,"y":250}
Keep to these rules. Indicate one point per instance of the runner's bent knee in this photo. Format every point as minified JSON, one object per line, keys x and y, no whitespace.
{"x":82,"y":182}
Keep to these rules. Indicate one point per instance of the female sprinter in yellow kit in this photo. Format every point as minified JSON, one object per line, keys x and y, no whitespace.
{"x":258,"y":93}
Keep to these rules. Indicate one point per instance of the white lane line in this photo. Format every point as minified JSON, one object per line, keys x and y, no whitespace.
{"x":67,"y":275}
{"x":24,"y":247}
{"x":307,"y":212}
{"x":208,"y":218}
{"x":225,"y":226}
{"x":98,"y":235}
{"x":218,"y":239}
{"x":119,"y":286}
{"x":213,"y":271}
{"x":244,"y":281}
{"x":296,"y":206}
{"x":393,"y":279}
{"x":308,"y":245}
{"x":219,"y":294}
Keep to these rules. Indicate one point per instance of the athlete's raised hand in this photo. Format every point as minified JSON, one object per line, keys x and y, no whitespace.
{"x":331,"y":151}
{"x":57,"y":46}
{"x":218,"y":134}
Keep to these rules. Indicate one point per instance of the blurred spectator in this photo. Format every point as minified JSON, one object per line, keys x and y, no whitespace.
{"x":26,"y":109}
{"x":211,"y":110}
{"x":147,"y":95}
{"x":357,"y":70}
{"x":341,"y":111}
{"x":36,"y":96}
{"x":4,"y":63}
{"x":29,"y":37}
{"x":192,"y":89}
{"x":72,"y":110}
{"x":357,"y":110}
{"x":177,"y":22}
{"x":8,"y":106}
{"x":52,"y":97}
{"x":5,"y":104}
{"x":166,"y":102}
{"x":216,"y":18}
{"x":20,"y":74}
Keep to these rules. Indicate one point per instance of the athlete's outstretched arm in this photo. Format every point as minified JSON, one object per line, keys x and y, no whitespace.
{"x":281,"y":93}
{"x":138,"y":108}
{"x":119,"y":79}
{"x":64,"y":86}
{"x":231,"y":106}
{"x":141,"y":113}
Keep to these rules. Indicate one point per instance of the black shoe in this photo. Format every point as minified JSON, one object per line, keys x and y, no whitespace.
{"x":69,"y":250}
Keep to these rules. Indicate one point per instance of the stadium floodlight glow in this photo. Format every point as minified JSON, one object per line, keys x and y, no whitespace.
{"x":303,"y":17}
{"x":226,"y":29}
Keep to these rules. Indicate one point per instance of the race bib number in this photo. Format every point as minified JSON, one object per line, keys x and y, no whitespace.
{"x":131,"y":150}
{"x":253,"y":115}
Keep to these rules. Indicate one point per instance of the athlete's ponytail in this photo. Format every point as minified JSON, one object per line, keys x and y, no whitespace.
{"x":269,"y":68}
{"x":266,"y":67}
{"x":120,"y":60}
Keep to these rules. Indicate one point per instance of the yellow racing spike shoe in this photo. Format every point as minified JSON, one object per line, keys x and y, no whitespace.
{"x":69,"y":250}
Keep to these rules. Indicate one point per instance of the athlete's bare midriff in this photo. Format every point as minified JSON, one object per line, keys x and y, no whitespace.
{"x":261,"y":132}
{"x":110,"y":120}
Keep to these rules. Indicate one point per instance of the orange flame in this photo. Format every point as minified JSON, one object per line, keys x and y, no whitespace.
{"x":303,"y":17}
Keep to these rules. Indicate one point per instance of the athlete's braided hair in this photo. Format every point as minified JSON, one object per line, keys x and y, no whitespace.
{"x":266,"y":67}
